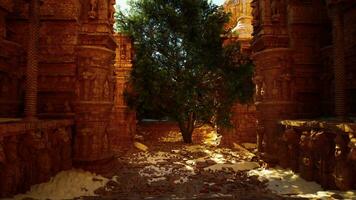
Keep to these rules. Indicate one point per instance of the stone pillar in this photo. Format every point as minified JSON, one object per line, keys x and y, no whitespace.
{"x":32,"y":61}
{"x":123,"y":124}
{"x":94,"y":90}
{"x":275,"y":101}
{"x":339,"y":61}
{"x":274,"y":74}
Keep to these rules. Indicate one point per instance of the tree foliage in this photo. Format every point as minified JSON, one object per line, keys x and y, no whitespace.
{"x":182,"y":69}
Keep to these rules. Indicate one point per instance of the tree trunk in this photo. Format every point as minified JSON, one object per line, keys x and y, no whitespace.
{"x":187,"y":128}
{"x":187,"y":137}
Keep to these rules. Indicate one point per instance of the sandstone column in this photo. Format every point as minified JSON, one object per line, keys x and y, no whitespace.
{"x":339,"y":61}
{"x":274,"y":74}
{"x":32,"y":61}
{"x":123,"y":123}
{"x":94,"y":89}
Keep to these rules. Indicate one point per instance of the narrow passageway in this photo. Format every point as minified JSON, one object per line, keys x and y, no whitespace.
{"x":161,"y":167}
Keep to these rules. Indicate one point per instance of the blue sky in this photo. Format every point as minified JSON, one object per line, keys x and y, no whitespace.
{"x":122,"y":3}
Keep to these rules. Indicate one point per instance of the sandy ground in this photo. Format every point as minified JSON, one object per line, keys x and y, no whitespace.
{"x":161,"y":167}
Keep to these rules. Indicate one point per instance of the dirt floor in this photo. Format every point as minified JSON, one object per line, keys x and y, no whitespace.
{"x":159,"y":166}
{"x":172,"y":170}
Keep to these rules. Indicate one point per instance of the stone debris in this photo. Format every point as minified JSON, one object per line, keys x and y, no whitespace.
{"x":140,"y":146}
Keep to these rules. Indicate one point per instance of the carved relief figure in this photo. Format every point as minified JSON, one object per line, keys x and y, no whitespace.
{"x":287,"y":86}
{"x":352,"y":154}
{"x":87,"y":77}
{"x":106,"y":92}
{"x":263,"y":90}
{"x":258,"y":83}
{"x":63,"y":137}
{"x":255,"y":15}
{"x":2,"y":152}
{"x":67,"y":107}
{"x":93,"y":9}
{"x":84,"y":142}
{"x":306,"y":163}
{"x":123,"y":52}
{"x":12,"y":172}
{"x":323,"y":156}
{"x":277,"y":7}
{"x":276,"y":90}
{"x":291,"y":138}
{"x":111,"y":12}
{"x":343,"y":172}
{"x":260,"y":136}
{"x":96,"y":90}
{"x":48,"y":107}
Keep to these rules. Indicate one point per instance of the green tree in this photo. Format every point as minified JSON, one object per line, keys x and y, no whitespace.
{"x":181,"y":68}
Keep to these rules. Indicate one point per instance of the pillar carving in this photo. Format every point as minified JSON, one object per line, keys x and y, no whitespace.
{"x":123,"y":122}
{"x":269,"y":31}
{"x":94,"y":101}
{"x":95,"y":85}
{"x":343,"y":172}
{"x":275,"y":94}
{"x":336,"y":15}
{"x":32,"y":61}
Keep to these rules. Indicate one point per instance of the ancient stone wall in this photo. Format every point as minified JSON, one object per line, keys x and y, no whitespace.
{"x":350,"y":58}
{"x":73,"y":78}
{"x":322,"y":151}
{"x":304,"y":56}
{"x":244,"y":116}
{"x":11,"y":76}
{"x":32,"y":152}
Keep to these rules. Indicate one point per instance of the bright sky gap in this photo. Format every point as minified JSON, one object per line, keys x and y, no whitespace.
{"x":123,"y":3}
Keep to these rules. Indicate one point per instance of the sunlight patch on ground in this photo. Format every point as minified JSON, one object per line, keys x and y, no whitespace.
{"x":151,"y":158}
{"x":286,"y":182}
{"x":66,"y":185}
{"x":239,"y":166}
{"x":212,"y":138}
{"x":185,"y":162}
{"x":172,"y":136}
{"x":155,"y":173}
{"x":205,"y":135}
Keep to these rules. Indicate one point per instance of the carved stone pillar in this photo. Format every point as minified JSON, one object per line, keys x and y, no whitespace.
{"x":32,"y":61}
{"x":123,"y":123}
{"x":275,"y":94}
{"x":339,"y":61}
{"x":94,"y":89}
{"x":93,"y":106}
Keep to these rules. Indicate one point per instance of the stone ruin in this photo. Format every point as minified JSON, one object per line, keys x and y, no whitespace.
{"x":61,"y":90}
{"x":63,"y":73}
{"x":305,"y":57}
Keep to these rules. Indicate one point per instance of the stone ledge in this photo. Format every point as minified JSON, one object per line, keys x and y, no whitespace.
{"x":328,"y":125}
{"x":16,"y":127}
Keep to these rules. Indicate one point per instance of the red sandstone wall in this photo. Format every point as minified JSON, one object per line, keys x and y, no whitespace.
{"x":350,"y":57}
{"x":244,"y":121}
{"x":11,"y":76}
{"x":31,"y":153}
